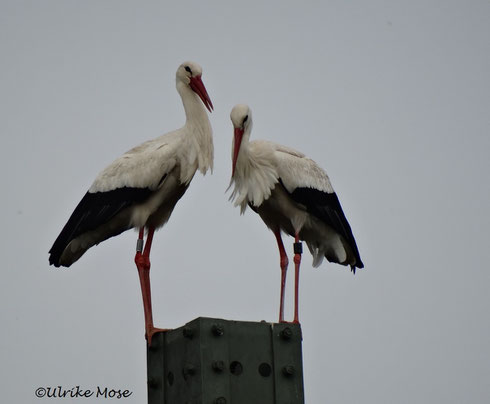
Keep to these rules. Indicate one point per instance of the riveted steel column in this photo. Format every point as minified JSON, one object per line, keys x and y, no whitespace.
{"x":156,"y":369}
{"x":215,"y":361}
{"x":288,"y":372}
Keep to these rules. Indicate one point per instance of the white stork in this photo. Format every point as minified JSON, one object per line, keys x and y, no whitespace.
{"x":291,"y":193}
{"x":140,"y":188}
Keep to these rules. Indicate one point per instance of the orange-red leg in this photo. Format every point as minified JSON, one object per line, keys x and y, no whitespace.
{"x":298,"y":250}
{"x":142,"y":260}
{"x":284,"y":266}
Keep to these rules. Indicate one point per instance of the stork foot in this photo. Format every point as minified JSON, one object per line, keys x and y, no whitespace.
{"x":151,"y":331}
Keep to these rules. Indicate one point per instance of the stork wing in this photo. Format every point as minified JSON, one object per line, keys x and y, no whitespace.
{"x":308,"y":184}
{"x":129,"y":180}
{"x":326,"y":207}
{"x":141,"y":167}
{"x":94,"y":210}
{"x":298,"y":171}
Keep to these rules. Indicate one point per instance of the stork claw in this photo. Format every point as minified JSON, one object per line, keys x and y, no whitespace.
{"x":152,"y":331}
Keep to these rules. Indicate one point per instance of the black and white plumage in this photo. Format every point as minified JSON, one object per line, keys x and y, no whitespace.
{"x":292,"y":194}
{"x":140,"y":188}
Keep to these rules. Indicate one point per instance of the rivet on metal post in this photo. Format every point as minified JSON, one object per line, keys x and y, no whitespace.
{"x":218,"y":366}
{"x":189,"y":370}
{"x":265,"y":369}
{"x":286,"y":333}
{"x":288,"y":370}
{"x":218,"y":329}
{"x":170,"y":378}
{"x":236,"y":368}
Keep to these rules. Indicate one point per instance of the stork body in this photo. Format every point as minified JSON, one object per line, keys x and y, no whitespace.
{"x":292,"y":194}
{"x":141,"y":188}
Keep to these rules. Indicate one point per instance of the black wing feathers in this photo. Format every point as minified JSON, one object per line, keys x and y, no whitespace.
{"x":326,"y":206}
{"x":94,"y":210}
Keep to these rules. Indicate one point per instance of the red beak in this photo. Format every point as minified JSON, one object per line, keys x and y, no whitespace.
{"x":198,"y":87}
{"x":236,"y":150}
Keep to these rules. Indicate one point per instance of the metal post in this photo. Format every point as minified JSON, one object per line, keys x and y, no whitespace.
{"x":215,"y":361}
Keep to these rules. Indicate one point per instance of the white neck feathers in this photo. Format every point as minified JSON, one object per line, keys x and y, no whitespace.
{"x":198,"y":135}
{"x":255,"y":173}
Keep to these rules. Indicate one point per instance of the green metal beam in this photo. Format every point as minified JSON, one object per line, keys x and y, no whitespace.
{"x":215,"y":361}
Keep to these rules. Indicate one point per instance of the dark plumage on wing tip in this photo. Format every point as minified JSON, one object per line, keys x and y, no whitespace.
{"x":95,"y":211}
{"x":54,"y":260}
{"x":54,"y":257}
{"x":357,"y":265}
{"x":53,"y":263}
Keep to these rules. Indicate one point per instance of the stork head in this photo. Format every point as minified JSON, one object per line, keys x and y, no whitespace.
{"x":241,"y":117}
{"x":190,"y":73}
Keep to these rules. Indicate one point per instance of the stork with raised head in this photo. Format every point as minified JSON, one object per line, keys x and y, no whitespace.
{"x":292,"y":194}
{"x":140,"y":188}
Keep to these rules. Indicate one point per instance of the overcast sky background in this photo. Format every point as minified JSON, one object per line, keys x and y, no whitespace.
{"x":390,"y":97}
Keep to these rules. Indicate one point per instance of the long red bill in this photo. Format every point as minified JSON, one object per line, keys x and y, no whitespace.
{"x":198,"y":87}
{"x":236,"y":149}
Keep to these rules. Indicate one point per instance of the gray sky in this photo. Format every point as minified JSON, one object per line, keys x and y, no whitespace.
{"x":391,"y":98}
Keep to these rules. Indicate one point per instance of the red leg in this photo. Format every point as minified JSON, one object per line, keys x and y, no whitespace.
{"x":284,"y":266}
{"x":298,"y":249}
{"x":142,"y":261}
{"x":149,"y":240}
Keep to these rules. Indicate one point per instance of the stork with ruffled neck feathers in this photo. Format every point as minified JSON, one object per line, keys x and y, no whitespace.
{"x":292,"y":194}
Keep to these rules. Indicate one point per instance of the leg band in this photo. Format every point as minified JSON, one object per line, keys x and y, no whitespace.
{"x":298,"y":248}
{"x":139,"y":245}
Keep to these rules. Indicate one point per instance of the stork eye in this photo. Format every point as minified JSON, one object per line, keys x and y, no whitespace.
{"x":188,"y":69}
{"x":245,"y":119}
